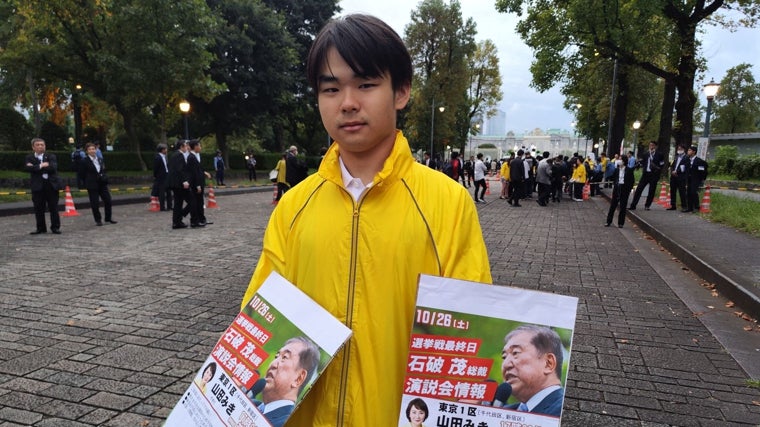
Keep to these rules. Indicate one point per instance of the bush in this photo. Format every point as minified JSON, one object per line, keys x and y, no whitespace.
{"x":725,"y":158}
{"x":747,"y":167}
{"x":15,"y":131}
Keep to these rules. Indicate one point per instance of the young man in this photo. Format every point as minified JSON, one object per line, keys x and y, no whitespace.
{"x":697,"y":174}
{"x":652,"y":164}
{"x":622,"y":184}
{"x":339,"y":237}
{"x":96,"y":182}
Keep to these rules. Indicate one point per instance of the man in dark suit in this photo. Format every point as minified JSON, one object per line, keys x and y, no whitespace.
{"x":43,"y":170}
{"x":652,"y":163}
{"x":161,"y":178}
{"x":532,"y":365}
{"x":517,"y":179}
{"x":678,"y":175}
{"x":288,"y":374}
{"x":697,"y":175}
{"x":179,"y":182}
{"x":622,"y":182}
{"x":197,"y":185}
{"x":96,"y":183}
{"x":295,"y":169}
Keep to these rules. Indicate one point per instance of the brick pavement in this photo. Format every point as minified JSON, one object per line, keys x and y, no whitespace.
{"x":106,"y":325}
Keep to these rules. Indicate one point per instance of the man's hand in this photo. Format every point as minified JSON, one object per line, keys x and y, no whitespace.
{"x":185,"y":185}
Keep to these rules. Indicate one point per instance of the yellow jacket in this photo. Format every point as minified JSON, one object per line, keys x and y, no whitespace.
{"x":504,"y":172}
{"x":360,"y":261}
{"x":579,"y":173}
{"x":281,"y":171}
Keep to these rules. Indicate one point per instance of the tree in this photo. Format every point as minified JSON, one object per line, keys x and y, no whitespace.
{"x":736,"y":107}
{"x":439,"y":41}
{"x":484,"y":90}
{"x":15,"y":131}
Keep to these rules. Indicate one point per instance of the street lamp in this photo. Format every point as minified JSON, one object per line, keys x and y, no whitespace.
{"x":477,"y":132}
{"x":76,"y":100}
{"x":432,"y":126}
{"x":184,"y":106}
{"x":636,"y":126}
{"x":711,"y":89}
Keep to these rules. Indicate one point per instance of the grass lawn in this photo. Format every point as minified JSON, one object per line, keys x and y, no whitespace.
{"x":736,"y":212}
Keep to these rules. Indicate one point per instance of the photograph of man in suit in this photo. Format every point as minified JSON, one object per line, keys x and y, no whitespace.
{"x":532,"y":365}
{"x":43,"y":170}
{"x":651,"y":163}
{"x":288,"y":374}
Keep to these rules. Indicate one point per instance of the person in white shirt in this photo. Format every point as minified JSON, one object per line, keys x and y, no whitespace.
{"x":480,"y":178}
{"x":96,"y":182}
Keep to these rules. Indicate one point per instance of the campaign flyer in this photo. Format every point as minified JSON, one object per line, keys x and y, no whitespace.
{"x":486,"y":356}
{"x":264,"y":363}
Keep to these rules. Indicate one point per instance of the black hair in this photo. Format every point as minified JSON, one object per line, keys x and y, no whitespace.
{"x":419,"y":404}
{"x":368,"y":45}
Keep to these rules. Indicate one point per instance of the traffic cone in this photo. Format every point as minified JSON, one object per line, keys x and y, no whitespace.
{"x":274,"y":194}
{"x":488,"y":189}
{"x":663,"y":195}
{"x":71,"y":210}
{"x":586,"y":191}
{"x":667,"y":204}
{"x":154,"y":206}
{"x":705,"y":206}
{"x":211,"y":203}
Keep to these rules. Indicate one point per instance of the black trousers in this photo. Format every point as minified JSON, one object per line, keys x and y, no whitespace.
{"x":183,"y":203}
{"x":678,"y":185}
{"x":517,"y":188}
{"x":619,"y":197}
{"x":481,"y":183}
{"x":46,"y":200}
{"x":97,"y":194}
{"x":647,"y":179}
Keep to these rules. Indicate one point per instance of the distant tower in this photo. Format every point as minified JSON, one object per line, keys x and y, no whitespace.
{"x":496,"y":125}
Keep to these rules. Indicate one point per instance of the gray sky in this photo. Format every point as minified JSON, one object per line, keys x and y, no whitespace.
{"x":527,"y":109}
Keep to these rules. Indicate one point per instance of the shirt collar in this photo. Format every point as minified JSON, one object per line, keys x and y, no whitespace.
{"x":277,"y":404}
{"x":541,"y":395}
{"x":355,"y":186}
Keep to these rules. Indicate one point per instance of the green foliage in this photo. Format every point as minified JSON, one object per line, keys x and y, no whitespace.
{"x":15,"y":131}
{"x":736,"y":212}
{"x":737,"y":104}
{"x":56,"y":137}
{"x":725,"y":157}
{"x":747,"y":167}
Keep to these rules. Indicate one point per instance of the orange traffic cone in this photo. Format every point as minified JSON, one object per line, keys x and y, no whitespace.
{"x":586,"y":191}
{"x":488,"y":189}
{"x":154,"y":206}
{"x":274,"y":194}
{"x":663,"y":195}
{"x":705,"y":206}
{"x":667,"y":205}
{"x":71,"y":210}
{"x":211,"y":198}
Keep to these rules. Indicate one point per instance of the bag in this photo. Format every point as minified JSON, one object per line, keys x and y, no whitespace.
{"x":273,"y":175}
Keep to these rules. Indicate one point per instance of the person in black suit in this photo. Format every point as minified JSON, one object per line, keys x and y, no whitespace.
{"x":517,"y":179}
{"x":43,"y":170}
{"x":96,"y":183}
{"x":696,"y":178}
{"x":179,"y":182}
{"x":622,"y":182}
{"x":532,"y":365}
{"x":197,"y":185}
{"x":295,"y":168}
{"x":652,"y":163}
{"x":679,"y":173}
{"x":288,"y":374}
{"x":161,"y":178}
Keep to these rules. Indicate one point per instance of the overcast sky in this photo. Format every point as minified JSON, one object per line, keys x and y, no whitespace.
{"x":527,"y":109}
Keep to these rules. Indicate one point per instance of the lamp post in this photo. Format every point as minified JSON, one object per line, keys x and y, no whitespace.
{"x":711,"y":89}
{"x":76,"y":102}
{"x":477,"y":132}
{"x":432,"y":127}
{"x":184,"y":106}
{"x":636,"y":126}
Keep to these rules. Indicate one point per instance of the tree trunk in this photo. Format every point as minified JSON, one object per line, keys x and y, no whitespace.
{"x":684,"y":82}
{"x":621,"y":112}
{"x":129,"y":127}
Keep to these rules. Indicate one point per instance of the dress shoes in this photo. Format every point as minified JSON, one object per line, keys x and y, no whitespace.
{"x":620,"y":226}
{"x":646,"y":208}
{"x":179,"y":225}
{"x":56,"y":231}
{"x":197,"y":225}
{"x":205,"y":223}
{"x":38,"y":232}
{"x":632,"y":208}
{"x":671,"y":209}
{"x":110,"y":221}
{"x":608,"y":224}
{"x":99,"y":224}
{"x":687,"y":210}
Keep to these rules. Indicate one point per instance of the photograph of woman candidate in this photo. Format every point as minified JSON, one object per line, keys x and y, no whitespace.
{"x":208,"y":374}
{"x":416,"y":412}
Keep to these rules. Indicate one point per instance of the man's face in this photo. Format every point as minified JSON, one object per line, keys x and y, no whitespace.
{"x":91,"y":150}
{"x":197,"y":148}
{"x":359,"y":112}
{"x":38,"y":147}
{"x":523,"y":368}
{"x":284,"y":375}
{"x":691,"y":153}
{"x":652,"y":146}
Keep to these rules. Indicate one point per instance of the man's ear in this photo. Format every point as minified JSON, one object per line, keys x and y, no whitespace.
{"x":551,"y":363}
{"x":401,"y":96}
{"x":300,"y":379}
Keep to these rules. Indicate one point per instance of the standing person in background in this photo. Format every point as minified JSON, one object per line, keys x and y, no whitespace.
{"x":469,"y":170}
{"x":428,"y":161}
{"x":161,"y":178}
{"x":43,"y":171}
{"x":517,"y":179}
{"x":504,"y":176}
{"x":219,"y":168}
{"x":96,"y":182}
{"x":480,"y":178}
{"x":622,"y":184}
{"x":652,"y":164}
{"x":579,"y":179}
{"x":697,"y":177}
{"x":679,"y":175}
{"x":282,"y":185}
{"x":197,"y":185}
{"x":296,"y":170}
{"x":348,"y":213}
{"x":179,"y":182}
{"x":544,"y":179}
{"x":250,"y":164}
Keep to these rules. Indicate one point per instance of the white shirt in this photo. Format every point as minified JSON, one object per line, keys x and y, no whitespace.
{"x":277,"y":404}
{"x":40,"y":157}
{"x":538,"y":397}
{"x":163,"y":158}
{"x":355,"y":186}
{"x":621,"y":176}
{"x":480,"y":170}
{"x":96,"y":162}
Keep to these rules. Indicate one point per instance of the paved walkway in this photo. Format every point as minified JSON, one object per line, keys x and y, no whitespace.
{"x":107,"y":325}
